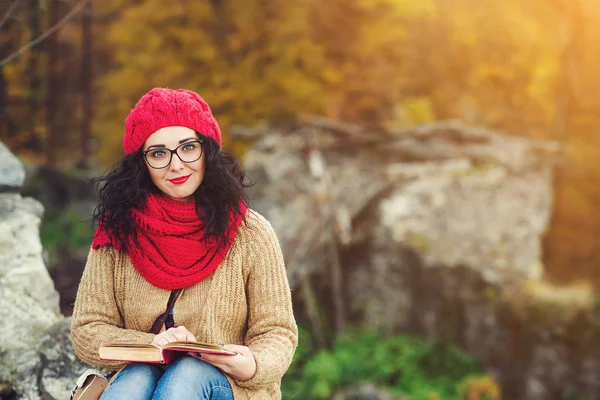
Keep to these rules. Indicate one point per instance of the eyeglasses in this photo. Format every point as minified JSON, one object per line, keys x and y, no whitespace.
{"x":160,"y":157}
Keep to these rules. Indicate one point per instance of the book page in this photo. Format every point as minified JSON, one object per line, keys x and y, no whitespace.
{"x":132,"y":345}
{"x":199,"y":347}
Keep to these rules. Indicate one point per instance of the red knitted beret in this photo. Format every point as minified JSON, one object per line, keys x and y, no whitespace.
{"x":162,"y":107}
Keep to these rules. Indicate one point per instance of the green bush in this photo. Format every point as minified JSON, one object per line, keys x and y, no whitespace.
{"x":403,"y":365}
{"x":65,"y":231}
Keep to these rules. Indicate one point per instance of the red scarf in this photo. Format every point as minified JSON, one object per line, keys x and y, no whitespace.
{"x":171,"y":254}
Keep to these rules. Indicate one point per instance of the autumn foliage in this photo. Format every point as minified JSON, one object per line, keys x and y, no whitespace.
{"x":528,"y":68}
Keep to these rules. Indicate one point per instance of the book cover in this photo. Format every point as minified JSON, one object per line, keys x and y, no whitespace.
{"x":150,"y":353}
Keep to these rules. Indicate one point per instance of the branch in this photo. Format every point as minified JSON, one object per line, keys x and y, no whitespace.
{"x":71,"y":4}
{"x":8,"y":12}
{"x":44,"y":35}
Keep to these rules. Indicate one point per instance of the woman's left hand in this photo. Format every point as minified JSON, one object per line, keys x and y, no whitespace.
{"x":240,"y":367}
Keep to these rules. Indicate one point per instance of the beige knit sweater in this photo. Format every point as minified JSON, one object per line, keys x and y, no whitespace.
{"x":245,"y":301}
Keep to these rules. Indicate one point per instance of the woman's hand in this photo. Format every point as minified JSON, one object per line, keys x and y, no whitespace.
{"x":173,"y":335}
{"x":240,"y":367}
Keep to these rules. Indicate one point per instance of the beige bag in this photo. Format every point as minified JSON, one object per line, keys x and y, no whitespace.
{"x":92,"y":383}
{"x":89,"y":386}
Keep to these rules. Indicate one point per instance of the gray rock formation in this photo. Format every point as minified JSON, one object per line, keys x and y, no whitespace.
{"x":11,"y":171}
{"x":434,"y":231}
{"x":458,"y":195}
{"x":59,"y":366}
{"x":28,"y":301}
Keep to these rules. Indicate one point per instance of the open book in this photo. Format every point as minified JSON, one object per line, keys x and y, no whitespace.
{"x":150,"y":353}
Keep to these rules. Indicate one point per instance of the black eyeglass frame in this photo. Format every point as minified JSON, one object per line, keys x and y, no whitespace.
{"x":174,"y":151}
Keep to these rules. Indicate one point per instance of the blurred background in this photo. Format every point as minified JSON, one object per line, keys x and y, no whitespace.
{"x":353,"y":117}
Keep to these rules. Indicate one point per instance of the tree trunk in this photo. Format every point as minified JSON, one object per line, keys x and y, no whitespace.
{"x":52,"y":134}
{"x":4,"y":117}
{"x":35,"y":83}
{"x":8,"y":127}
{"x":86,"y":84}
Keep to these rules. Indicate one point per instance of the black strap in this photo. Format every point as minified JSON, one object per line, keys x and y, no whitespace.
{"x":160,"y":321}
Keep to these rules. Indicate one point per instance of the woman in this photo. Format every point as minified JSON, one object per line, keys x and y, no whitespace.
{"x":172,"y":215}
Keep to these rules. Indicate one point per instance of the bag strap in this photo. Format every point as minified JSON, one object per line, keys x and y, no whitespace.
{"x":160,"y":321}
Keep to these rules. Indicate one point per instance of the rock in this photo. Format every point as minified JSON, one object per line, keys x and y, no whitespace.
{"x":482,"y":216}
{"x":458,"y":195}
{"x":69,"y":199}
{"x":434,"y":231}
{"x":548,"y":376}
{"x":28,"y":301}
{"x":12,"y":173}
{"x":59,"y":368}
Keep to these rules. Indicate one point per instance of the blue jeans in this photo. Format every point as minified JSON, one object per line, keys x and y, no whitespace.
{"x":186,"y":378}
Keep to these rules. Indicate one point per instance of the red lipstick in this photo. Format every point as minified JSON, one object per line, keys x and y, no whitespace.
{"x":179,"y":180}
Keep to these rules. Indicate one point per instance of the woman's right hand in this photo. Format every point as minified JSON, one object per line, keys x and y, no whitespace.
{"x":173,"y":335}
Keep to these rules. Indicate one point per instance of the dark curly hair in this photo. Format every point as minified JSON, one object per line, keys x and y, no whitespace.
{"x":127,"y":185}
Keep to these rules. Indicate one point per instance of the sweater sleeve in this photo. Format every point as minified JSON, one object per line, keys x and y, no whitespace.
{"x":96,"y":318}
{"x":272,"y":334}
